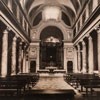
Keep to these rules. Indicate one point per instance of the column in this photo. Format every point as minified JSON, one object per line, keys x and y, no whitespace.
{"x":13,"y":63}
{"x":27,"y":62}
{"x":98,"y":39}
{"x":4,"y":59}
{"x":75,"y":60}
{"x":84,"y":57}
{"x":37,"y":62}
{"x":65,"y":61}
{"x":90,"y":55}
{"x":20,"y":58}
{"x":79,"y":59}
{"x":24,"y":60}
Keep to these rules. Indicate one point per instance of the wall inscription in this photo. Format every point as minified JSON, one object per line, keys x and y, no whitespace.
{"x":69,"y":52}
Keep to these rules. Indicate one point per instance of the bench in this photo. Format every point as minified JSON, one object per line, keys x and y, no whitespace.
{"x":78,"y":79}
{"x":72,"y":78}
{"x":9,"y":85}
{"x":32,"y":78}
{"x":90,"y":84}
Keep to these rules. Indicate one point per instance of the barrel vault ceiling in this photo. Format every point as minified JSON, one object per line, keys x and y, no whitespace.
{"x":70,"y":7}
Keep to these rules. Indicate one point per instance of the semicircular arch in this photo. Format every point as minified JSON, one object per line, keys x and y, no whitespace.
{"x":55,"y":24}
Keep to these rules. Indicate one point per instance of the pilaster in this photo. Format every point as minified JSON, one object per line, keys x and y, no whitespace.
{"x":84,"y":57}
{"x":90,"y":55}
{"x":13,"y":63}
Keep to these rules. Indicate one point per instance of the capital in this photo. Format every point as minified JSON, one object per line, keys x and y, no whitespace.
{"x":98,"y":28}
{"x":90,"y":38}
{"x":15,"y":38}
{"x":83,"y":43}
{"x":5,"y":31}
{"x":21,"y":43}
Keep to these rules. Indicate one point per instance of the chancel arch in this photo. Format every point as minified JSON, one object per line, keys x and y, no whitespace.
{"x":66,"y":31}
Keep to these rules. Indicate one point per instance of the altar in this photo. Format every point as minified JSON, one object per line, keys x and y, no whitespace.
{"x":51,"y":69}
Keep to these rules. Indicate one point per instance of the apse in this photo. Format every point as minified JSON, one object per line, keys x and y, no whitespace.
{"x":51,"y":48}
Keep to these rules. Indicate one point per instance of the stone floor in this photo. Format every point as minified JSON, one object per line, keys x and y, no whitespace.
{"x":51,"y":83}
{"x":54,"y":87}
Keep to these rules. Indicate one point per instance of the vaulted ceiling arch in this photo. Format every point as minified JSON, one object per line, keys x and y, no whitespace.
{"x":73,"y":4}
{"x":68,"y":11}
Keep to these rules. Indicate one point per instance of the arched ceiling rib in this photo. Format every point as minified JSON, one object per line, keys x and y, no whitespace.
{"x":36,"y":3}
{"x":76,"y":4}
{"x":28,"y":4}
{"x":82,"y":2}
{"x":68,"y":4}
{"x":34,"y":10}
{"x":70,"y":12}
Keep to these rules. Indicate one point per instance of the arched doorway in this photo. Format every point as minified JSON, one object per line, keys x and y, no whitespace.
{"x":51,"y":48}
{"x":69,"y":66}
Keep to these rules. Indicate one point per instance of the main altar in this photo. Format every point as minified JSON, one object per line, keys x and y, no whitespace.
{"x":51,"y":69}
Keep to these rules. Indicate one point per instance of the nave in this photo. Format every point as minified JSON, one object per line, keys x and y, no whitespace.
{"x":43,"y":39}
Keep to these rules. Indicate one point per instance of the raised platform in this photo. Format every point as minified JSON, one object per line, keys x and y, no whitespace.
{"x":54,"y":71}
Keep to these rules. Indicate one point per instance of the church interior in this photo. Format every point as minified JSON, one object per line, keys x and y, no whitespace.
{"x":49,"y":50}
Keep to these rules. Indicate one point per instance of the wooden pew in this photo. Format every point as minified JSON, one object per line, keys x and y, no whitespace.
{"x":18,"y":82}
{"x":32,"y":78}
{"x":8,"y":84}
{"x":73,"y":78}
{"x":80,"y":79}
{"x":90,"y":83}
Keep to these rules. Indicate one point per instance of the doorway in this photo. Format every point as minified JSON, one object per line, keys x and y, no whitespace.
{"x":33,"y":66}
{"x":70,"y":67}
